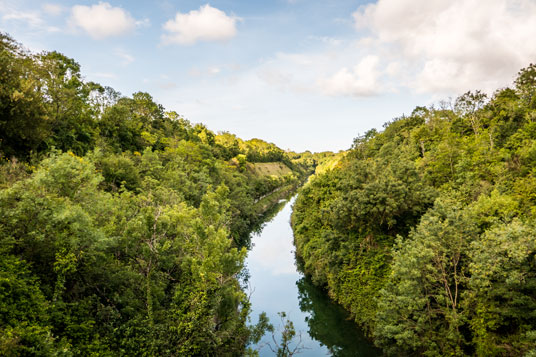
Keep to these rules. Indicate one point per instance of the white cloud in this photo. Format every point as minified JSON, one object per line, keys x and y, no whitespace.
{"x":214,"y":70}
{"x":143,"y":23}
{"x":205,"y":24}
{"x":32,"y":19}
{"x":450,"y":46}
{"x":52,"y":9}
{"x":362,"y":80}
{"x":102,"y":20}
{"x":125,"y":57}
{"x":340,"y":71}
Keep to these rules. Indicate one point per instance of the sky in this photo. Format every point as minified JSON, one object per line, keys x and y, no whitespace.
{"x":303,"y":74}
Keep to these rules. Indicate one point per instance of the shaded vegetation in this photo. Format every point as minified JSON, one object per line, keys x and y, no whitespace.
{"x":329,"y":323}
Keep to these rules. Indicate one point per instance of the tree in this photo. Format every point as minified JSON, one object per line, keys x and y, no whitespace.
{"x":525,"y":84}
{"x":68,"y":104}
{"x":419,"y":308}
{"x":468,"y":105}
{"x":24,"y":120}
{"x":502,"y":295}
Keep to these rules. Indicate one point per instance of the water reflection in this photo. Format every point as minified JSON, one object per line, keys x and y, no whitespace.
{"x":329,"y":324}
{"x":276,"y":284}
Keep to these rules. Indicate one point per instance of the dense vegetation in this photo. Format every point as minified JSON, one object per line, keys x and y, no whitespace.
{"x":123,"y":227}
{"x":426,"y":231}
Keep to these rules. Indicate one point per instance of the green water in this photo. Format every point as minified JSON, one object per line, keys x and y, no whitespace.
{"x":276,"y":284}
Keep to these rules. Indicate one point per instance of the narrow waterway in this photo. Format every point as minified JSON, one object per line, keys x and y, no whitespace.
{"x":276,"y":285}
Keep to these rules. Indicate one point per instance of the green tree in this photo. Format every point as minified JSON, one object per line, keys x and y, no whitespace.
{"x":502,"y":295}
{"x":24,"y":121}
{"x":420,"y":307}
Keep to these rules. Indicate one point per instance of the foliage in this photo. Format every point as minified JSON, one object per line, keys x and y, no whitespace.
{"x":424,"y":231}
{"x":123,"y":227}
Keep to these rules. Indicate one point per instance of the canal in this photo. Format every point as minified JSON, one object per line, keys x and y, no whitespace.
{"x":276,"y":285}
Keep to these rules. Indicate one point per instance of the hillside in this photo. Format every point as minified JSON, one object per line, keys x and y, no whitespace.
{"x":426,"y":231}
{"x":123,"y":226}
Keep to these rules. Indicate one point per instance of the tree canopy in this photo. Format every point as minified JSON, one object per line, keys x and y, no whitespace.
{"x":425,"y":231}
{"x":123,"y":227}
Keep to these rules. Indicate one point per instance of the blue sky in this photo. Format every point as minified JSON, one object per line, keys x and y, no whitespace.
{"x":303,"y":74}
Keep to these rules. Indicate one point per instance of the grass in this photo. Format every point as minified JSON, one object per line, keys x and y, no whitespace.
{"x":269,"y":169}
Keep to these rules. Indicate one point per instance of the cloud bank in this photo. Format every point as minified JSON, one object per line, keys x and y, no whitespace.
{"x":452,"y":45}
{"x":439,"y":48}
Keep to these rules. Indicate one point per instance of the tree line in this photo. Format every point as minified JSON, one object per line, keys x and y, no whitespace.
{"x":123,"y":226}
{"x":426,"y":230}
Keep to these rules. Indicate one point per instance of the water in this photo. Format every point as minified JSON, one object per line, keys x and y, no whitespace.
{"x":276,"y":285}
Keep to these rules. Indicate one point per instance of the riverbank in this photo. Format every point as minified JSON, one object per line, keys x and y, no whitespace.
{"x":276,"y":285}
